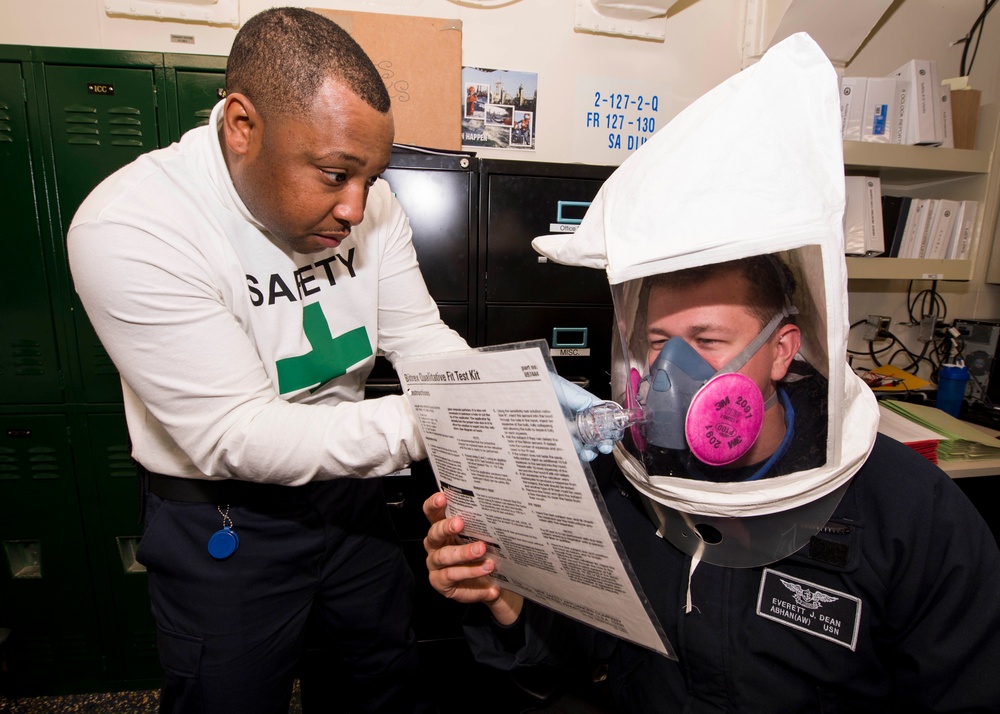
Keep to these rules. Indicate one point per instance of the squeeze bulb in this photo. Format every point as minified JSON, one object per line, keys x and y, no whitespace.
{"x":605,"y":421}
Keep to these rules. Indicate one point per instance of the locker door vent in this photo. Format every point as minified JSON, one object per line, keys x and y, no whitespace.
{"x":44,"y":462}
{"x":27,"y":358}
{"x":8,"y":465}
{"x":126,"y":123}
{"x":101,"y":361}
{"x":81,"y":125}
{"x":202,"y":116}
{"x":119,"y":462}
{"x":5,"y":125}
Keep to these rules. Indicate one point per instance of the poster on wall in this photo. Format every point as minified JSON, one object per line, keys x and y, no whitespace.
{"x":499,"y":109}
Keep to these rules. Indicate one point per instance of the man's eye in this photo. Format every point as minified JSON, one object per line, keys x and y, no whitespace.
{"x":372,"y":180}
{"x":336,"y":176}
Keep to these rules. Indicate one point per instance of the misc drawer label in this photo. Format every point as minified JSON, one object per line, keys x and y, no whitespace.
{"x":570,"y":352}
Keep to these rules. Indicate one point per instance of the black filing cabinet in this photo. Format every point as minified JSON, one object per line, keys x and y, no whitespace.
{"x":473,"y":221}
{"x":526,"y":297}
{"x":438,"y":192}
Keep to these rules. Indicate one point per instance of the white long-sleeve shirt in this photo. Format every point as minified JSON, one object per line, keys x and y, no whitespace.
{"x":237,"y":358}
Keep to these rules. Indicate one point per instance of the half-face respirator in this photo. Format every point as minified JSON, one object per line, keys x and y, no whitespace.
{"x":685,"y":404}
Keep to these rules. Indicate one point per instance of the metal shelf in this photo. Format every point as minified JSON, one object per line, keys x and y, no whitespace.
{"x":913,"y":164}
{"x":908,"y":269}
{"x":911,"y":167}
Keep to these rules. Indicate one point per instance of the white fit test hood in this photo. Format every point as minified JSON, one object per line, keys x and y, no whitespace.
{"x":753,"y":167}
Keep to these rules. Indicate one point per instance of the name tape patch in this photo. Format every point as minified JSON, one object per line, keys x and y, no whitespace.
{"x":811,"y":608}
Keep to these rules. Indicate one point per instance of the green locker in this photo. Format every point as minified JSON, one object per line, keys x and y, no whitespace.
{"x":134,"y":656}
{"x":46,"y":593}
{"x":99,"y":112}
{"x":29,"y":363}
{"x":70,"y":588}
{"x":195,"y":84}
{"x":101,"y":118}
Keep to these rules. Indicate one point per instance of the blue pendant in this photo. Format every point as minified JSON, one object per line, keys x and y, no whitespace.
{"x":223,"y":543}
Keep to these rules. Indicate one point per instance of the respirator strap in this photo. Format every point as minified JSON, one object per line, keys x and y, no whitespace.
{"x":750,"y":350}
{"x":785,"y":442}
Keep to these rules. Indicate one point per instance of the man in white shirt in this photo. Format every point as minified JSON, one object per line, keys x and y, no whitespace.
{"x":242,"y":281}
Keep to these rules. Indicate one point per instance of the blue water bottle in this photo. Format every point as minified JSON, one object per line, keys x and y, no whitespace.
{"x":951,"y":387}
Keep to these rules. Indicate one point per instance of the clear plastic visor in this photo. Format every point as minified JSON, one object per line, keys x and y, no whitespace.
{"x":700,"y":350}
{"x":712,"y":358}
{"x":713,"y":361}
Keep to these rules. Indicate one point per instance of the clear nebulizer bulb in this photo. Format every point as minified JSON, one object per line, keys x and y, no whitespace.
{"x":606,"y":421}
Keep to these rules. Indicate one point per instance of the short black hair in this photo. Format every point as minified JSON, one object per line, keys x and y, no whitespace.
{"x":770,"y":281}
{"x":281,"y":56}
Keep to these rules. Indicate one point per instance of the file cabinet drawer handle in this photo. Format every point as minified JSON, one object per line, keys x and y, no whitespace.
{"x":560,"y":205}
{"x":569,"y":337}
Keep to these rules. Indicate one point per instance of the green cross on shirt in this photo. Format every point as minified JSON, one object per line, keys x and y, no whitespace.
{"x":329,"y":358}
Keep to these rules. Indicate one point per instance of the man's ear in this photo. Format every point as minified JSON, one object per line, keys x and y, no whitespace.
{"x":787,"y":340}
{"x":240,"y":123}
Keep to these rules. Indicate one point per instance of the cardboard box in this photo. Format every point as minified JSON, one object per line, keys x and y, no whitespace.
{"x":965,"y":116}
{"x":420,"y":59}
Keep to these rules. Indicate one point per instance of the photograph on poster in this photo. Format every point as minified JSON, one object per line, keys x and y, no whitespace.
{"x":499,"y":115}
{"x":522,"y":130}
{"x":499,"y":110}
{"x":476,"y":97}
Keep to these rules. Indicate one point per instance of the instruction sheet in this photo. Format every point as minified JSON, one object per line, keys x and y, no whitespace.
{"x":502,"y":450}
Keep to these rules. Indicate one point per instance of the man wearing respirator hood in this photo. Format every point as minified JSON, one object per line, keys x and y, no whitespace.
{"x":797,"y":560}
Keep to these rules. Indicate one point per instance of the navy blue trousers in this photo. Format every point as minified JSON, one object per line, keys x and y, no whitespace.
{"x":320,"y":564}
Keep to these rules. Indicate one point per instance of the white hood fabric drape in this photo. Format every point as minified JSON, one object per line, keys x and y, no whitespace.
{"x":754,"y":166}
